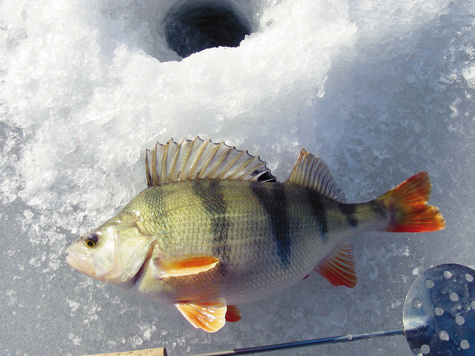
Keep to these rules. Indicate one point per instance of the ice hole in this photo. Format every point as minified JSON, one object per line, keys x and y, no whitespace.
{"x":464,"y":344}
{"x":193,"y":26}
{"x":460,"y":320}
{"x":469,"y":278}
{"x":454,"y":297}
{"x":439,"y":311}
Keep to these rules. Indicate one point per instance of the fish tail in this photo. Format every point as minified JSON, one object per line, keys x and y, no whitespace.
{"x":408,"y":206}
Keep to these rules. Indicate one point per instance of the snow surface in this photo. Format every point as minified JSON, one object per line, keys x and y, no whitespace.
{"x":380,"y":90}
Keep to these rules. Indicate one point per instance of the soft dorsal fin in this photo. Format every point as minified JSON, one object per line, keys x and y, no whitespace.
{"x":198,"y":159}
{"x":312,"y":172}
{"x":339,"y":267}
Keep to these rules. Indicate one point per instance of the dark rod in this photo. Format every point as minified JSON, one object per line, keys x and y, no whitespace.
{"x":328,"y":340}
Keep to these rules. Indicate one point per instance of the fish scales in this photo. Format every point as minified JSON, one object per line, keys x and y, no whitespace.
{"x":214,"y":229}
{"x":261,"y":232}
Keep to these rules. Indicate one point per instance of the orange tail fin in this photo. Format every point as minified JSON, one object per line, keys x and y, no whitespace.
{"x":409,"y":209}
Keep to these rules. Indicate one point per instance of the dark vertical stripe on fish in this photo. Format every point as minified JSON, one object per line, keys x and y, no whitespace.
{"x":319,"y":212}
{"x":273,"y":199}
{"x":211,"y":196}
{"x":348,"y":210}
{"x":378,"y":208}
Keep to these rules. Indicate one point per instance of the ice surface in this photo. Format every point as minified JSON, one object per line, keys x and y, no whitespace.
{"x":380,"y":90}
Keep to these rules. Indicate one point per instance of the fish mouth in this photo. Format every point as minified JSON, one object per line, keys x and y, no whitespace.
{"x":80,"y":262}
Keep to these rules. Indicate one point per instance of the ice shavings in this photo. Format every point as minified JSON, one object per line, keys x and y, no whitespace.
{"x":469,"y":75}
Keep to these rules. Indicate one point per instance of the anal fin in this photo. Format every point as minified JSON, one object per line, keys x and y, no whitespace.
{"x":209,"y":316}
{"x":340,"y":267}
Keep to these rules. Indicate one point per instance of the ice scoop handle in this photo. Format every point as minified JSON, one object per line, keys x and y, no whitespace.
{"x":150,"y":352}
{"x":327,"y":340}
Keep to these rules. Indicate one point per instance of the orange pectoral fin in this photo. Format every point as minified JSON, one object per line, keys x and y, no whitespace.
{"x":209,"y":316}
{"x":339,"y":267}
{"x":184,"y":266}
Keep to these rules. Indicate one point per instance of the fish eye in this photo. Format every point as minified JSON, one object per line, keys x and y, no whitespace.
{"x":92,"y":240}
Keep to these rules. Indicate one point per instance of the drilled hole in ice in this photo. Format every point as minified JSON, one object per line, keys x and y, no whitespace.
{"x":460,"y":320}
{"x":469,"y":278}
{"x":454,"y":297}
{"x":194,"y":26}
{"x":439,"y":311}
{"x":448,"y":274}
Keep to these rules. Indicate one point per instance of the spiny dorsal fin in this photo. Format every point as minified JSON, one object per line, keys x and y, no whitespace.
{"x":198,"y":159}
{"x":311,"y":172}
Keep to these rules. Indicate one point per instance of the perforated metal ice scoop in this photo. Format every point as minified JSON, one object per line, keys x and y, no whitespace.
{"x":439,"y":312}
{"x":438,"y":317}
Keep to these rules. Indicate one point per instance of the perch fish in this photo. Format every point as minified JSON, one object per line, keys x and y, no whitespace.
{"x":214,"y":229}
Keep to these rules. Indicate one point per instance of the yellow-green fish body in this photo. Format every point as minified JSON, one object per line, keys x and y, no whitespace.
{"x":266,"y":236}
{"x":214,"y":229}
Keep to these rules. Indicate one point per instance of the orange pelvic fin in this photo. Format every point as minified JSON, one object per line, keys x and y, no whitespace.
{"x":339,"y":267}
{"x":409,"y":209}
{"x":233,"y":314}
{"x":209,"y":315}
{"x":184,"y":266}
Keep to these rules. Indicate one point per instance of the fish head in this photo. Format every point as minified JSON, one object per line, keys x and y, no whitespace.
{"x":113,"y":253}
